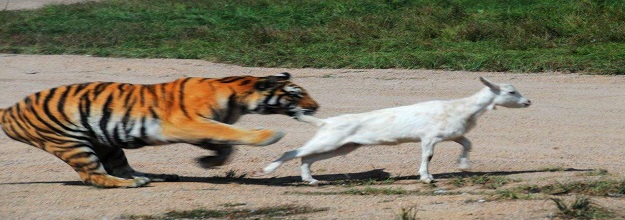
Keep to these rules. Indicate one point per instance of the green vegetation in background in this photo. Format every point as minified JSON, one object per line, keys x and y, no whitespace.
{"x":492,"y":35}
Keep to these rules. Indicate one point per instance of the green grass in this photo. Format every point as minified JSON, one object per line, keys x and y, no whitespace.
{"x":260,"y":213}
{"x":487,"y":181}
{"x":376,"y":191}
{"x":599,"y":172}
{"x":588,"y":188}
{"x":552,"y":169}
{"x":495,"y":35}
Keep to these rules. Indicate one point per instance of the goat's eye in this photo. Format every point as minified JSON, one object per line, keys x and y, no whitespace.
{"x":512,"y":92}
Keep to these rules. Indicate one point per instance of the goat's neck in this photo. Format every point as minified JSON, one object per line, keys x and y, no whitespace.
{"x":477,"y":104}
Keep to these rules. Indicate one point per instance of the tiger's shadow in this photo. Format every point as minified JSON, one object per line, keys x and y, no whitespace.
{"x":376,"y":175}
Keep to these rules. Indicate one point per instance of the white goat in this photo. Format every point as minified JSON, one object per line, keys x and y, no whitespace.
{"x":429,"y":122}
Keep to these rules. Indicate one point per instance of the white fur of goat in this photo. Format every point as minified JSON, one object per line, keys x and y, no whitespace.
{"x":428,"y":122}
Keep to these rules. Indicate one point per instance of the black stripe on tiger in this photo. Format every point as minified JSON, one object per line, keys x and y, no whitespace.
{"x":230,"y":79}
{"x":181,"y":96}
{"x":105,"y":119}
{"x":48,"y":125}
{"x":85,"y":113}
{"x":48,"y":112}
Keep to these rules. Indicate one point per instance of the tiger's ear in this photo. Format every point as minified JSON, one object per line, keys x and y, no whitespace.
{"x":282,"y":76}
{"x":271,"y":81}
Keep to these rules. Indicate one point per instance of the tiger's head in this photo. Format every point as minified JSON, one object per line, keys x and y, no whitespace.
{"x":281,"y":96}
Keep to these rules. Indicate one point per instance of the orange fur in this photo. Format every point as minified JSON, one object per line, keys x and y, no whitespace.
{"x":87,"y":125}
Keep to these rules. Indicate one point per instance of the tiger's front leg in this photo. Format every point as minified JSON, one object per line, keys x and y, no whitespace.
{"x":222,"y":152}
{"x":213,"y":132}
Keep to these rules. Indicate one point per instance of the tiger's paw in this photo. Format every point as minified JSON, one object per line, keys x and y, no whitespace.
{"x":139,"y":182}
{"x":270,"y":137}
{"x":209,"y":162}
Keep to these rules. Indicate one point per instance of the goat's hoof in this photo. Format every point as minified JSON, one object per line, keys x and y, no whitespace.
{"x":258,"y":173}
{"x":313,"y":182}
{"x":427,"y":178}
{"x":464,"y":168}
{"x":427,"y":181}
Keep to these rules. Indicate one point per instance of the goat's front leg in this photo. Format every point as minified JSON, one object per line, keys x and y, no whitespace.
{"x":427,"y":151}
{"x":463,"y":161}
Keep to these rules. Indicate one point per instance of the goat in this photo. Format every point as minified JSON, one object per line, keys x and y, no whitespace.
{"x":428,"y":122}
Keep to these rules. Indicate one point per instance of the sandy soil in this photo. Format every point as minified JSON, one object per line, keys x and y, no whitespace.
{"x":575,"y":123}
{"x":575,"y":126}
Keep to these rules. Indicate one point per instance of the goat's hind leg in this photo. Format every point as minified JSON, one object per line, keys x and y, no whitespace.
{"x":463,"y":161}
{"x":307,"y":161}
{"x":300,"y":152}
{"x":311,"y":147}
{"x":427,"y":152}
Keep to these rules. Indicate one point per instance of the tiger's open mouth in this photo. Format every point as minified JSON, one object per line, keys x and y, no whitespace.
{"x":308,"y":111}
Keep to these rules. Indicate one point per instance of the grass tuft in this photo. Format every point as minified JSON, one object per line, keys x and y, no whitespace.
{"x":232,"y":174}
{"x":407,"y":214}
{"x":590,"y":188}
{"x":376,"y":191}
{"x":487,"y":181}
{"x":581,"y":208}
{"x":599,"y":172}
{"x":260,"y":213}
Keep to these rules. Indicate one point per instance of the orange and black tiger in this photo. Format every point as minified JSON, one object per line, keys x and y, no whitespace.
{"x":87,"y":125}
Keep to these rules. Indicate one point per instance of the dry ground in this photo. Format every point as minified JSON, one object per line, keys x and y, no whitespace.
{"x":575,"y":126}
{"x":574,"y":129}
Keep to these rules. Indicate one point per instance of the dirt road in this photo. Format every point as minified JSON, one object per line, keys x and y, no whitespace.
{"x":574,"y":127}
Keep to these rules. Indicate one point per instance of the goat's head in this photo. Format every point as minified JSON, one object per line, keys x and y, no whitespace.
{"x":506,"y":95}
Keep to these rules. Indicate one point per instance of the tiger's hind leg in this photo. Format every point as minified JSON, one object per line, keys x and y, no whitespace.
{"x":115,"y":162}
{"x":87,"y":164}
{"x":222,"y":151}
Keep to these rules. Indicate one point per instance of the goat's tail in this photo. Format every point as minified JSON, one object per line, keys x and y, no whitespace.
{"x":310,"y":120}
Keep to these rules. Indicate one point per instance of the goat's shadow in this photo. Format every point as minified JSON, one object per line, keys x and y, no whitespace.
{"x":361,"y":177}
{"x":326,"y":179}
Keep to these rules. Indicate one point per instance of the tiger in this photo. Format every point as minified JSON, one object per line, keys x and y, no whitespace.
{"x":87,"y":125}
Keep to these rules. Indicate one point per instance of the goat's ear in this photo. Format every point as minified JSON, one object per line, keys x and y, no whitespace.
{"x":489,"y":84}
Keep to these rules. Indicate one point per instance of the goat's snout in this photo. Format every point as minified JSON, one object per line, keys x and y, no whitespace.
{"x":527,"y":103}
